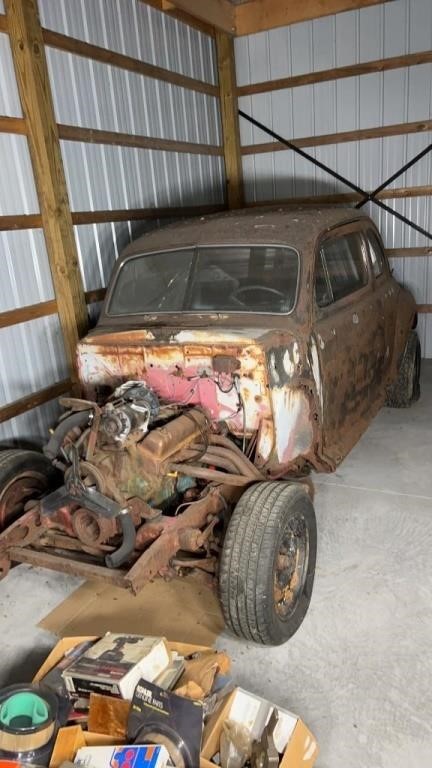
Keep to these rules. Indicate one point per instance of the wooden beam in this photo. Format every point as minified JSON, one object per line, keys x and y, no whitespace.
{"x":28,"y":52}
{"x":394,"y":253}
{"x":20,"y":221}
{"x":258,"y":15}
{"x":217,"y":13}
{"x":34,"y":400}
{"x":337,"y":73}
{"x":12,"y":125}
{"x":176,"y":13}
{"x":324,"y":139}
{"x":30,"y":312}
{"x":105,"y":56}
{"x":92,"y":297}
{"x":139,"y":214}
{"x":230,"y":120}
{"x":338,"y":198}
{"x":3,"y":23}
{"x":94,"y":136}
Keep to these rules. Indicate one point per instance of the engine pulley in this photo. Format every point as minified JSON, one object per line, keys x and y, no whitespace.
{"x":93,"y":529}
{"x":131,"y":408}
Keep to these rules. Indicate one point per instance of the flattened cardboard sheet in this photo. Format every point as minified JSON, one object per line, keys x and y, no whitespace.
{"x":186,"y":610}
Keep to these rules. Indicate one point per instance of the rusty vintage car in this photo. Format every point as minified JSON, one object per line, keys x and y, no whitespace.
{"x":234,"y":355}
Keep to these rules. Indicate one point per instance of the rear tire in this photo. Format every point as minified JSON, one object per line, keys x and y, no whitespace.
{"x":24,"y":475}
{"x":406,"y":389}
{"x":268,"y":562}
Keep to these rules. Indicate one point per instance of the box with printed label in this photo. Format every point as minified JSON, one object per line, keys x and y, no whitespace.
{"x":115,"y":663}
{"x":127,"y":756}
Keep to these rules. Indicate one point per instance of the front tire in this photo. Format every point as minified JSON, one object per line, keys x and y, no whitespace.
{"x":268,"y":562}
{"x":24,"y":475}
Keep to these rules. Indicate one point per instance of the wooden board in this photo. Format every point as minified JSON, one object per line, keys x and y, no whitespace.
{"x":337,"y":73}
{"x":33,"y":82}
{"x":94,"y":136}
{"x":341,"y":137}
{"x":34,"y":400}
{"x":30,"y":312}
{"x":217,"y":13}
{"x":138,"y":214}
{"x":104,"y":55}
{"x":12,"y":125}
{"x":257,"y":15}
{"x":230,"y":120}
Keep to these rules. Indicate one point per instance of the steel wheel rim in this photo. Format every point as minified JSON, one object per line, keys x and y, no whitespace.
{"x":290,"y":569}
{"x":16,"y":492}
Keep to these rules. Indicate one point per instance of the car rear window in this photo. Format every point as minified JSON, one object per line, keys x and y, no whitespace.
{"x":341,"y":268}
{"x":208,"y":279}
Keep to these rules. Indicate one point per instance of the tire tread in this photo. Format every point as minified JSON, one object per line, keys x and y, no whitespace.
{"x":249,"y":544}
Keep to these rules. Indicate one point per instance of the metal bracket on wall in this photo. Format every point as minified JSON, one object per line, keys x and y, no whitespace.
{"x":366,"y":196}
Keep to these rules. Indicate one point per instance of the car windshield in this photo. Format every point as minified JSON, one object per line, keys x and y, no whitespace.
{"x":231,"y":278}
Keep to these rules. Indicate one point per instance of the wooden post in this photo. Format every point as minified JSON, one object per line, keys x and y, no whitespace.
{"x":33,"y":82}
{"x":230,"y":119}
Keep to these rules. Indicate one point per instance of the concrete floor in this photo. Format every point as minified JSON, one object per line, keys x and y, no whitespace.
{"x":359,"y":670}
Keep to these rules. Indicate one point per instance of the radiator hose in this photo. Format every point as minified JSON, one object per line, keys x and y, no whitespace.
{"x":79,"y":419}
{"x":123,"y":553}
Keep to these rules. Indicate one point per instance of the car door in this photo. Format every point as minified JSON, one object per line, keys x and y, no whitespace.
{"x":347,"y":352}
{"x":385,"y":292}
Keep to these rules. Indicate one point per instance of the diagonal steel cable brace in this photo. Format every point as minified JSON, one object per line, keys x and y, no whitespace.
{"x":366,"y":196}
{"x":394,"y":176}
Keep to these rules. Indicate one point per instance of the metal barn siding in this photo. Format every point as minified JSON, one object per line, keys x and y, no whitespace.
{"x":25,"y":271}
{"x":91,"y":94}
{"x":30,"y":429}
{"x":10,"y":104}
{"x":134,"y":29}
{"x":31,"y":354}
{"x":366,"y":101}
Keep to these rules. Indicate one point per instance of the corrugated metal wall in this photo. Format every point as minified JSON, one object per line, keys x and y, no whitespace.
{"x":31,"y":353}
{"x":366,"y":101}
{"x":94,"y":95}
{"x":99,"y":177}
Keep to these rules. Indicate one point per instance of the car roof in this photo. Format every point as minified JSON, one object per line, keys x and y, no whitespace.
{"x":298,"y":227}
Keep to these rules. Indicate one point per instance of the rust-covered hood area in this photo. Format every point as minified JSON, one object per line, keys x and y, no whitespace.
{"x":247,"y":379}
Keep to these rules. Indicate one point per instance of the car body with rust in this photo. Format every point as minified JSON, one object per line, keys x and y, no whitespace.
{"x":233,"y":355}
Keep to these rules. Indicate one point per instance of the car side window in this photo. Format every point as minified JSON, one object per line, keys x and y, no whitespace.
{"x":376,"y":253}
{"x":344,"y":260}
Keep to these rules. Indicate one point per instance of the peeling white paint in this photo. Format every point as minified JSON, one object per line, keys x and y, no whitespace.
{"x":316,"y":371}
{"x":211,"y":336}
{"x":272,"y":364}
{"x":265,"y":439}
{"x":291,"y":358}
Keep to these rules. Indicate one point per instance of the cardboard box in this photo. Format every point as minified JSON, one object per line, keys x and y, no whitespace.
{"x":72,"y":738}
{"x":67,"y":643}
{"x":114,"y":664}
{"x":301,"y":750}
